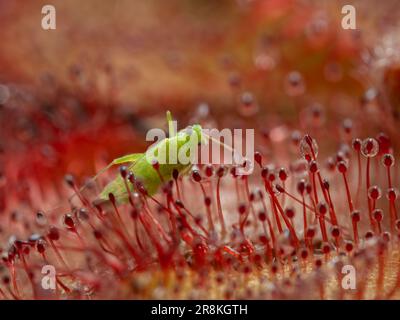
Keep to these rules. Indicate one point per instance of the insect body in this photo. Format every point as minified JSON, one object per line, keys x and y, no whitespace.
{"x":142,"y":165}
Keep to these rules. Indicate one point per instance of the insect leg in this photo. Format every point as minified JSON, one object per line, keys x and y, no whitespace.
{"x":124,"y":159}
{"x":129,"y":158}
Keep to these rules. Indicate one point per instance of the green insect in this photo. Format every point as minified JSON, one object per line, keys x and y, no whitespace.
{"x":141,"y":165}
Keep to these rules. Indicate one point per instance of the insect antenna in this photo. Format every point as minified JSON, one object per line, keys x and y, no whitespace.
{"x":227,"y":147}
